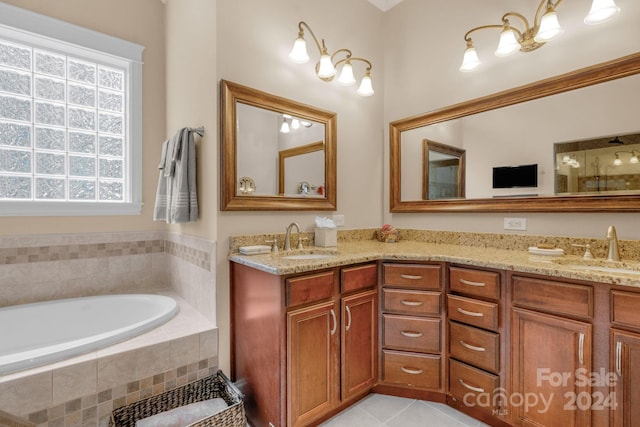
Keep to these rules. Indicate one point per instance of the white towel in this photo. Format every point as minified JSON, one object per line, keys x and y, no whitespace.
{"x":176,"y":197}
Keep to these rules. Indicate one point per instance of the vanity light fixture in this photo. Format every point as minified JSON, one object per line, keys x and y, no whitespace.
{"x":290,"y":123}
{"x":326,"y":68}
{"x":571,"y":161}
{"x":285,"y":128}
{"x":545,"y":27}
{"x":633,"y":159}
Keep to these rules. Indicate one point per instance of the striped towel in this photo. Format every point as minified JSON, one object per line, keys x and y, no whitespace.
{"x":176,"y":196}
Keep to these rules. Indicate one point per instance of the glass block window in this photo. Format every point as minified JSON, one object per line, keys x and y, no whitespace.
{"x":69,"y":119}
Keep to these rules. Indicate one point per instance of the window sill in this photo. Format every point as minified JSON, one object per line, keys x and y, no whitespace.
{"x":18,"y":208}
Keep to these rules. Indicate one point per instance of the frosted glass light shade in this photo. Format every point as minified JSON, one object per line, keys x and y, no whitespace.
{"x":470,"y":60}
{"x":366,"y":86}
{"x":326,"y":70}
{"x":299,"y":53}
{"x":601,"y":10}
{"x":295,"y":124}
{"x":549,"y":27}
{"x":508,"y":44}
{"x":346,"y":75}
{"x":617,"y":161}
{"x":285,"y":127}
{"x":634,"y":158}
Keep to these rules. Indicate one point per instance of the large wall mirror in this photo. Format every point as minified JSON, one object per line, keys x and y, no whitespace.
{"x":277,"y":154}
{"x":515,"y":143}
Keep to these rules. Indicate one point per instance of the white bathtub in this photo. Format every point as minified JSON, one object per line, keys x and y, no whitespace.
{"x":45,"y":332}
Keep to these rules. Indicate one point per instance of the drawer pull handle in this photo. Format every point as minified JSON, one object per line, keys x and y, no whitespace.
{"x":472,"y":347}
{"x":410,"y":277}
{"x":411,"y":334}
{"x":411,"y":303}
{"x":470,"y":387}
{"x":581,"y":348}
{"x":470,"y":283}
{"x":335,"y":322}
{"x":470,"y":313}
{"x":411,"y":371}
{"x":619,"y":358}
{"x":348,"y":317}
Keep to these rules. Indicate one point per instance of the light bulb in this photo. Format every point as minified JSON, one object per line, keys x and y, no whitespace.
{"x":549,"y":26}
{"x":326,"y":70}
{"x":285,"y":127}
{"x":601,"y":10}
{"x":508,"y":43}
{"x":470,"y":60}
{"x":346,"y":75}
{"x":299,"y":53}
{"x":366,"y":86}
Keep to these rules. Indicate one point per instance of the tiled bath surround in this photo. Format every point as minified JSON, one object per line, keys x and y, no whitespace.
{"x":82,"y":391}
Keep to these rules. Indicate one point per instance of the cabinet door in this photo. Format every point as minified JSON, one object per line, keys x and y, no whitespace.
{"x":359,"y":343}
{"x":312,"y":362}
{"x":625,"y":362}
{"x":549,"y":354}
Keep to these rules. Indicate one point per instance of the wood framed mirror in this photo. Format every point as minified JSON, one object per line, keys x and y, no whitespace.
{"x":597,"y":78}
{"x":443,"y":172}
{"x":258,"y":126}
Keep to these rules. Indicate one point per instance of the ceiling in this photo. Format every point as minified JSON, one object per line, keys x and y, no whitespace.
{"x":384,"y":5}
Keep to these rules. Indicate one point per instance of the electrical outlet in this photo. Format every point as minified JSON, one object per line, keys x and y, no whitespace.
{"x":515,"y":223}
{"x":338,"y":220}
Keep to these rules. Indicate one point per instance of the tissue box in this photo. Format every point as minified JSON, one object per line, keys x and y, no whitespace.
{"x":326,"y":237}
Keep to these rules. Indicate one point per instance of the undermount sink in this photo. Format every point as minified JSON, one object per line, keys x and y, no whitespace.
{"x":308,"y":256}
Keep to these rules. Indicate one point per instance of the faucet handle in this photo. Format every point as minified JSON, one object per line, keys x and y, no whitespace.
{"x":587,"y":250}
{"x":274,"y":248}
{"x":300,"y":239}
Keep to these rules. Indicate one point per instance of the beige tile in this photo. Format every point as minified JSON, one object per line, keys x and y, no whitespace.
{"x":116,"y":369}
{"x":208,"y":344}
{"x":26,"y":395}
{"x":153,"y":359}
{"x":75,"y":381}
{"x":185,"y":350}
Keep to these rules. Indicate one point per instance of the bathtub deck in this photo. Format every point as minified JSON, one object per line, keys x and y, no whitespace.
{"x":187,"y":338}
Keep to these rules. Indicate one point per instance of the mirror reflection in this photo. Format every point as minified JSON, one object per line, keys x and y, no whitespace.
{"x":277,"y":154}
{"x":598,"y":166}
{"x":443,"y":176}
{"x":263,"y":138}
{"x":516,"y":132}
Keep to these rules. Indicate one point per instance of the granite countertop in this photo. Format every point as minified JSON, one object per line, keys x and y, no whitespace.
{"x":352,"y":252}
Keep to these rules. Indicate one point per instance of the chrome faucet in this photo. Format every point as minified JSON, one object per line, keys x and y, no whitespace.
{"x":612,"y":237}
{"x":287,"y":237}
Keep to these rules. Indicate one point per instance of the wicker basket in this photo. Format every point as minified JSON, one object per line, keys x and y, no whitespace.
{"x":217,"y":385}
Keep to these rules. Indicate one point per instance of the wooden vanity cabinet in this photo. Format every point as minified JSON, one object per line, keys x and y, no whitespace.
{"x":476,"y":342}
{"x":412,"y":330}
{"x":625,"y":357}
{"x":303,"y":346}
{"x":551,"y":343}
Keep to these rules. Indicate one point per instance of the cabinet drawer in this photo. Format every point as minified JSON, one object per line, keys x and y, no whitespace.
{"x":310,"y":288}
{"x":473,"y":312}
{"x":412,"y":276}
{"x":553,"y":297}
{"x":411,"y":302}
{"x":475,"y":282}
{"x":467,"y":382}
{"x":360,"y":277}
{"x":625,"y":308}
{"x":474,"y":346}
{"x":411,"y":333}
{"x":411,"y":369}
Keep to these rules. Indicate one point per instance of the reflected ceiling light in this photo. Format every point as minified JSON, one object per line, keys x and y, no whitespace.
{"x":295,"y":124}
{"x":545,"y":27}
{"x":327,"y":66}
{"x":284,"y":128}
{"x":633,"y":159}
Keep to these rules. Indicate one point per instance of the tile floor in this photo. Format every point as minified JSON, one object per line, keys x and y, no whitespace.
{"x":377,"y":410}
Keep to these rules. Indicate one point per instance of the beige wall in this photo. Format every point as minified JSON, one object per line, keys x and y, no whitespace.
{"x":423,"y":50}
{"x":142,"y":22}
{"x":254,"y":39}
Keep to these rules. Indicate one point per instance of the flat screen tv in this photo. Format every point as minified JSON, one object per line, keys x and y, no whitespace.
{"x":515,"y":176}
